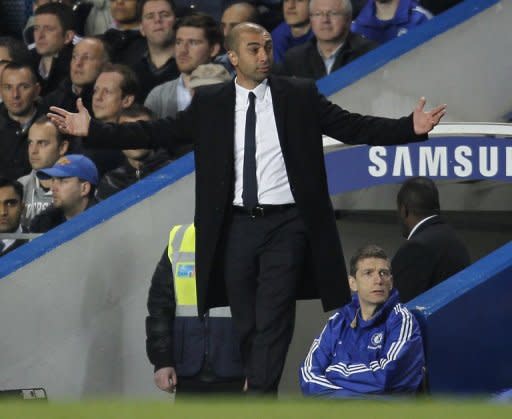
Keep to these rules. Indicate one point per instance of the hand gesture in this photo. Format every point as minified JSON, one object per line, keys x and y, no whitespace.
{"x":76,"y":124}
{"x":166,"y":379}
{"x":423,"y":121}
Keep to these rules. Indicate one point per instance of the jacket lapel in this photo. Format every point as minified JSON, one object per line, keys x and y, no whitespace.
{"x":280,"y":104}
{"x":225,"y":124}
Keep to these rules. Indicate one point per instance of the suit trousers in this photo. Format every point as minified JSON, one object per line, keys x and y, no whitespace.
{"x":263,"y":261}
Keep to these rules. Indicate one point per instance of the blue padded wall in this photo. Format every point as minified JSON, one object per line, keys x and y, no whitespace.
{"x":466,"y":322}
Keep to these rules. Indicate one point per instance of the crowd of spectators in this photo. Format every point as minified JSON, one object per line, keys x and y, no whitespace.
{"x":118,"y":55}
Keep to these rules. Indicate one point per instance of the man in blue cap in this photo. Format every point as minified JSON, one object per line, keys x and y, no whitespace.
{"x":74,"y":179}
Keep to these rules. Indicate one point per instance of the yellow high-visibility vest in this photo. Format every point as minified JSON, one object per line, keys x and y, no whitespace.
{"x":182,"y":253}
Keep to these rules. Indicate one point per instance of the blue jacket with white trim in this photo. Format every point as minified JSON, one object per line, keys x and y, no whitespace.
{"x":353,"y":357}
{"x":408,"y":15}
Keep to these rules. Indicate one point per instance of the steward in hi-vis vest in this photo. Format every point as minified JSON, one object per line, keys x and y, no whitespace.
{"x":195,"y":355}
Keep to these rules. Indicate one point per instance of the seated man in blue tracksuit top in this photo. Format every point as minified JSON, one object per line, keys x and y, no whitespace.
{"x":371,"y":346}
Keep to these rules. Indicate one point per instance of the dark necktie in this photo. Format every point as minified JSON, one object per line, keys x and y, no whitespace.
{"x":250,"y":186}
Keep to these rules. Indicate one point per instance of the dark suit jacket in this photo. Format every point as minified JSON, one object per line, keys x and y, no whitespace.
{"x":431,"y":255}
{"x":58,"y":72}
{"x":305,"y":60}
{"x":15,"y":245}
{"x":302,"y":116}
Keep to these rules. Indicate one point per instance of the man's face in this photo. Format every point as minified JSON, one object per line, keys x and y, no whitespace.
{"x":11,"y":207}
{"x":68,"y":192}
{"x":5,"y":58}
{"x":373,"y":281}
{"x":107,"y":99}
{"x":139,"y":154}
{"x":192,"y":49}
{"x":296,"y":12}
{"x":49,"y":36}
{"x":157,"y":21}
{"x":123,"y":11}
{"x":19,"y":91}
{"x":234,"y":15}
{"x":43,"y":148}
{"x":86,"y":62}
{"x":328,"y":20}
{"x":253,"y":60}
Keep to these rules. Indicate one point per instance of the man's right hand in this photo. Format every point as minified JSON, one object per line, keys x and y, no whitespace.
{"x":166,"y":379}
{"x":76,"y":124}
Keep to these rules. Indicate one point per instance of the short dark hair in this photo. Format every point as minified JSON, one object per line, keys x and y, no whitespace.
{"x":43,"y":119}
{"x":17,"y":186}
{"x":129,"y":83}
{"x":136,"y":111}
{"x":203,"y":21}
{"x":142,"y":3}
{"x":419,"y":196}
{"x":106,"y":48}
{"x":20,"y":66}
{"x":365,"y":252}
{"x":16,"y":49}
{"x":63,"y":12}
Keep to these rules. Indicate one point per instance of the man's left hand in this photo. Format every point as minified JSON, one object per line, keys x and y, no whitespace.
{"x":424,"y":121}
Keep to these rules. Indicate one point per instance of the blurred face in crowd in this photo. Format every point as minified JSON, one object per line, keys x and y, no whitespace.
{"x":38,"y":3}
{"x":296,"y":12}
{"x":70,"y":194}
{"x":329,"y":20}
{"x":140,"y":154}
{"x":5,"y":58}
{"x":235,"y":14}
{"x":108,"y":99}
{"x":124,"y":11}
{"x":157,"y":21}
{"x":11,"y":207}
{"x":19,"y":91}
{"x":49,"y":36}
{"x":252,"y":57}
{"x":372,"y":282}
{"x":86,"y":62}
{"x":43,"y":147}
{"x":192,"y":48}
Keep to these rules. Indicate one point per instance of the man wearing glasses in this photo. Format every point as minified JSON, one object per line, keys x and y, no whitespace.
{"x":333,"y":45}
{"x":371,"y":346}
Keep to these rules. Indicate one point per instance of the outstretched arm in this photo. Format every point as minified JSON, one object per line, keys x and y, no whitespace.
{"x":166,"y":133}
{"x":353,"y":128}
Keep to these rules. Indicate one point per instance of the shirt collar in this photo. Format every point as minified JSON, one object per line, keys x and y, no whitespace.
{"x":260,"y":91}
{"x":420,"y":223}
{"x":9,"y":242}
{"x":334,"y":53}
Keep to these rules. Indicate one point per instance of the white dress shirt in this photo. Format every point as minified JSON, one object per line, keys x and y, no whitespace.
{"x":9,"y":242}
{"x":273,"y":184}
{"x":183,"y":95}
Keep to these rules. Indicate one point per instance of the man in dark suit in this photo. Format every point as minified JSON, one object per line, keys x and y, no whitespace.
{"x":11,"y":208}
{"x":333,"y":45}
{"x":266,"y":232}
{"x":432,"y":252}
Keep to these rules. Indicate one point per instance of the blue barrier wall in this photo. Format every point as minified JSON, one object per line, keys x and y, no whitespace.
{"x":466,"y":322}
